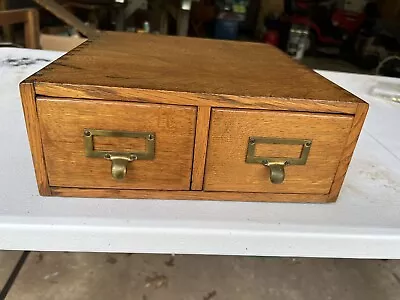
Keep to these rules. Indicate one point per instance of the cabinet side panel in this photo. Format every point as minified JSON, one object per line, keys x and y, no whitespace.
{"x":35,"y":139}
{"x":200,"y":148}
{"x":355,"y":131}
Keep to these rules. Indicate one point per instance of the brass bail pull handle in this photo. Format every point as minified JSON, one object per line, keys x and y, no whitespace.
{"x":277,"y":171}
{"x":119,"y":164}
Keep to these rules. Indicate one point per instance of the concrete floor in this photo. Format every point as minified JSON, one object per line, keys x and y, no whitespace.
{"x":50,"y":275}
{"x":8,"y":260}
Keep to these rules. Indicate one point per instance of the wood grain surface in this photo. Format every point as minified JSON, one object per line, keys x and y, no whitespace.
{"x":188,"y":195}
{"x":35,"y":138}
{"x":62,"y":123}
{"x":230,"y":129}
{"x":193,"y":65}
{"x":183,"y":98}
{"x":200,"y":147}
{"x":348,"y":150}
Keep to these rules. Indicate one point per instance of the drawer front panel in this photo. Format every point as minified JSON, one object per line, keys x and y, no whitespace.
{"x":274,"y":152}
{"x":99,"y":144}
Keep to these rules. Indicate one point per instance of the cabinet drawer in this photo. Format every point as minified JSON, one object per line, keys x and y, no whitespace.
{"x":274,"y":152}
{"x":90,"y":144}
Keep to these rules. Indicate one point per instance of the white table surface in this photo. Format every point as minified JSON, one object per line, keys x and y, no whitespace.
{"x":364,"y":223}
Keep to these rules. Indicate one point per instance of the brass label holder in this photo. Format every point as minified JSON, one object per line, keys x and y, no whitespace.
{"x":277,"y":165}
{"x":119,"y":160}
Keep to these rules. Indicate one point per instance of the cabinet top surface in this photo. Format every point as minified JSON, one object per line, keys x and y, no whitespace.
{"x":155,"y":62}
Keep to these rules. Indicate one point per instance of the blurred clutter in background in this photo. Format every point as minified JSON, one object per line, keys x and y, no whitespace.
{"x":363,"y":33}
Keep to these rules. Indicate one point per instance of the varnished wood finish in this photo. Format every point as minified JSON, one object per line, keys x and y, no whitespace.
{"x":152,"y":62}
{"x":200,"y":148}
{"x":182,"y":98}
{"x":348,"y":150}
{"x":63,"y":122}
{"x":188,"y":195}
{"x":177,"y":87}
{"x":35,"y":138}
{"x":227,"y":170}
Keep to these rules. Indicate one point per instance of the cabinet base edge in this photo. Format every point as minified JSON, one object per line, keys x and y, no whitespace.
{"x":190,"y":195}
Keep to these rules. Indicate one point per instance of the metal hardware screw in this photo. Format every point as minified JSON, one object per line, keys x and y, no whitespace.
{"x":87,"y":133}
{"x":150,"y":137}
{"x":133,"y":157}
{"x":308,"y":144}
{"x":252,"y":141}
{"x":107,"y":155}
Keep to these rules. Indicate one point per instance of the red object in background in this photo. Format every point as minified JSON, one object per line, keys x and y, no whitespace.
{"x":272,"y":37}
{"x":346,"y":22}
{"x":305,"y":4}
{"x":324,"y":39}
